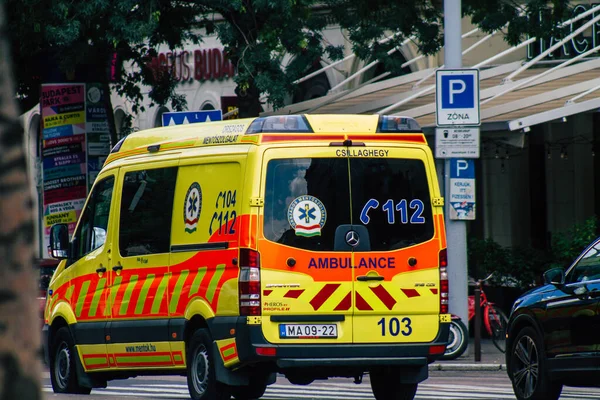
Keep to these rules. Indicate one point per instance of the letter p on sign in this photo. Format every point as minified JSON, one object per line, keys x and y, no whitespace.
{"x":457,"y":86}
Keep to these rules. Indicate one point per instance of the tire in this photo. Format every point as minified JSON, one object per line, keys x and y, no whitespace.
{"x":201,"y":379}
{"x":385,"y":386}
{"x":250,"y":392}
{"x":457,"y":340}
{"x":63,"y":364}
{"x":497,"y":323}
{"x":526,"y":358}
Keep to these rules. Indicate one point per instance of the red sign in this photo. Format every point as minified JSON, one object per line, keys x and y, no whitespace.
{"x":200,"y":64}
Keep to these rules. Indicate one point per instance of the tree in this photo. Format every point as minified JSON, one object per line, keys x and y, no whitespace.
{"x":80,"y":40}
{"x":19,"y":333}
{"x":258,"y":35}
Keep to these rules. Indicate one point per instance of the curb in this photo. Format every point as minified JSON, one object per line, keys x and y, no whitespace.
{"x":467,"y":367}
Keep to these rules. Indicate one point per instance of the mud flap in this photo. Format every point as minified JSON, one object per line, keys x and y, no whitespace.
{"x":84,"y":379}
{"x":224,"y":374}
{"x":240,"y":377}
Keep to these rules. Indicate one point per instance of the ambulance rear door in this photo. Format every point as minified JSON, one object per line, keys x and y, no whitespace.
{"x":396,"y":245}
{"x":306,"y":274}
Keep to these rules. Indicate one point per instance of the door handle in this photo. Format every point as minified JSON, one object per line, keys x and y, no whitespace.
{"x":117,"y":268}
{"x":101,"y":270}
{"x":364,"y":278}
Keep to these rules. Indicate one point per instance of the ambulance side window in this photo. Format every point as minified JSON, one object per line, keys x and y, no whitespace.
{"x":145,"y":217}
{"x":91,"y":233}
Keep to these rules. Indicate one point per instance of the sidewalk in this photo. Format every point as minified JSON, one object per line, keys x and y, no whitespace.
{"x":491,"y":359}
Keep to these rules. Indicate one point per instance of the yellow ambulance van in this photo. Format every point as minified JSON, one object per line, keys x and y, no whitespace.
{"x":311,"y":246}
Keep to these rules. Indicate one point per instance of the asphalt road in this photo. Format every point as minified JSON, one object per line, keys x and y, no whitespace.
{"x":441,"y":385}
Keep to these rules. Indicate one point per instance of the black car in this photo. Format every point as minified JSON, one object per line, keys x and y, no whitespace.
{"x":554,"y":331}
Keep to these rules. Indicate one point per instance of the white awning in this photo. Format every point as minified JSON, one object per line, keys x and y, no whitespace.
{"x":566,"y":91}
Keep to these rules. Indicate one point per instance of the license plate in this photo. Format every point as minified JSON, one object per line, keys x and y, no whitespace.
{"x":307,"y":331}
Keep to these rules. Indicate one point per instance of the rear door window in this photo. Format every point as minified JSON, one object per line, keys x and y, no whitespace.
{"x":390,"y":197}
{"x":306,"y":199}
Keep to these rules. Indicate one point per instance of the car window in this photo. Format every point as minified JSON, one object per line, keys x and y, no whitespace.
{"x":306,"y":199}
{"x":146,"y":205}
{"x":390,"y":197}
{"x":588,"y":266}
{"x":91,"y":233}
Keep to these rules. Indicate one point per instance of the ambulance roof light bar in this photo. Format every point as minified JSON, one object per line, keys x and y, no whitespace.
{"x":280,"y":124}
{"x":397,"y":124}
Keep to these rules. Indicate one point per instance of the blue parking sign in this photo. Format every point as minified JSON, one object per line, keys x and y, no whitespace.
{"x":457,"y":97}
{"x":458,"y":91}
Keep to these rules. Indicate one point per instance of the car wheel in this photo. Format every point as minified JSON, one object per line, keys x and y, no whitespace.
{"x":385,"y":386}
{"x":527,"y":368}
{"x":63,"y":367}
{"x":457,"y":340}
{"x":201,"y":379}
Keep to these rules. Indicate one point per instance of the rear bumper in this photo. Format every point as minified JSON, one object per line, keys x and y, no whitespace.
{"x":359,"y":356}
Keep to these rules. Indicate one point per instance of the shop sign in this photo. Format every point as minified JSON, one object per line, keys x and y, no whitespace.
{"x":199,"y":65}
{"x":574,"y":47}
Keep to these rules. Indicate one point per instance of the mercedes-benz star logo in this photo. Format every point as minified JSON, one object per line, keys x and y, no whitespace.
{"x":352,"y":238}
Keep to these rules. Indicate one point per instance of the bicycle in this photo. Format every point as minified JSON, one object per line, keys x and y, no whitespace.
{"x":495,"y":322}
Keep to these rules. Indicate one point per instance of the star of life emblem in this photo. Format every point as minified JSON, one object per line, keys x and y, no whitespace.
{"x":192,"y":207}
{"x":307,"y":216}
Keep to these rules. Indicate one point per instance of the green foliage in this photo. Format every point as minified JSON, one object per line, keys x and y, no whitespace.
{"x":272,"y":43}
{"x":569,"y":244}
{"x":514,"y":19}
{"x":524,"y":266}
{"x":54,"y":39}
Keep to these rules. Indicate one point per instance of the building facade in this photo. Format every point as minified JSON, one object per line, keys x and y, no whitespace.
{"x":537,"y":175}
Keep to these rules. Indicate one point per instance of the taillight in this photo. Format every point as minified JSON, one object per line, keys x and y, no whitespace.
{"x":443,"y":261}
{"x":249,"y":282}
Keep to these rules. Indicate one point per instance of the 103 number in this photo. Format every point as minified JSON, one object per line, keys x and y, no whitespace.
{"x":395,"y":326}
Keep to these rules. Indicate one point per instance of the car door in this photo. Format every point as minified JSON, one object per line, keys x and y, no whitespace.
{"x":397,"y":246}
{"x":91,"y":249}
{"x":572,"y":317}
{"x":306,"y":267}
{"x":139,"y":331}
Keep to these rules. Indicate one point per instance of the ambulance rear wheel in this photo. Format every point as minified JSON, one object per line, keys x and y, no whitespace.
{"x":250,"y":392}
{"x":201,"y":379}
{"x":385,"y":387}
{"x":63,"y":367}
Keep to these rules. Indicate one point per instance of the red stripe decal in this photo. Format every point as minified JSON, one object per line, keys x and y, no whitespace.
{"x":267,"y":292}
{"x":180,"y":354}
{"x":232,"y":355}
{"x":402,"y":137}
{"x":411,"y":293}
{"x":266,"y":138}
{"x":361,"y":304}
{"x":434,"y":291}
{"x":385,"y":297}
{"x":323,"y":295}
{"x":345,"y":304}
{"x":95,"y":366}
{"x":294,"y":294}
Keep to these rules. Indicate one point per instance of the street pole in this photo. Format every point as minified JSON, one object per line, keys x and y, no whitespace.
{"x":456,"y":231}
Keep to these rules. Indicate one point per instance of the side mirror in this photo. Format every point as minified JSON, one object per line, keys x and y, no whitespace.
{"x":555,"y":276}
{"x":59,"y":241}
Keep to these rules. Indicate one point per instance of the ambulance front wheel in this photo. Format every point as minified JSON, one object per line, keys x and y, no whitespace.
{"x":201,"y":379}
{"x":63,"y":367}
{"x":385,"y":386}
